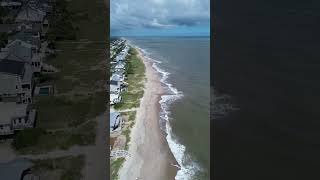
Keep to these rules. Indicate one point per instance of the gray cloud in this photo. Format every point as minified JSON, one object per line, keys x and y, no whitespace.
{"x":131,"y":14}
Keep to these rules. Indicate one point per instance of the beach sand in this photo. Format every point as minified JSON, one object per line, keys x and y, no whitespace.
{"x":151,"y":157}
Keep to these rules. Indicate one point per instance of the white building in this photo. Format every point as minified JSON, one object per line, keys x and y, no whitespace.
{"x":15,"y":117}
{"x":114,"y":98}
{"x":16,"y":81}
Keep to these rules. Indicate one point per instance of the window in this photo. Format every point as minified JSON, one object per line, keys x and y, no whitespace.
{"x":16,"y":87}
{"x":19,"y":120}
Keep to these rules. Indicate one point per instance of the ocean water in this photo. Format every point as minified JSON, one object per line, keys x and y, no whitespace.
{"x":183,"y":64}
{"x":266,"y":59}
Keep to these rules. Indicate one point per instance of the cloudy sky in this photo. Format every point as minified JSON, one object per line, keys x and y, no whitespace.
{"x":159,"y":17}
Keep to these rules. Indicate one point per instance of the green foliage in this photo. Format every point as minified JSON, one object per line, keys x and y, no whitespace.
{"x":26,"y":138}
{"x":71,"y":167}
{"x":135,"y":70}
{"x":3,"y":39}
{"x":61,"y":27}
{"x":45,"y":78}
{"x":115,"y":166}
{"x":3,"y":12}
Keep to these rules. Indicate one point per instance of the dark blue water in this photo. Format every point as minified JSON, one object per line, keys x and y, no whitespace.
{"x":266,"y":58}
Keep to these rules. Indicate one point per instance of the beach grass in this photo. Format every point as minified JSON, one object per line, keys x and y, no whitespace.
{"x":62,"y":112}
{"x":51,"y":140}
{"x":135,"y":71}
{"x":115,"y":166}
{"x":66,"y":168}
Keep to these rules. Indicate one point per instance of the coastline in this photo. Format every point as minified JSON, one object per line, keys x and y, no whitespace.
{"x":151,"y":157}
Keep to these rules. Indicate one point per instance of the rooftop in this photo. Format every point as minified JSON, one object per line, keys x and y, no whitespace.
{"x":10,"y":110}
{"x":113,"y":118}
{"x":12,"y":67}
{"x":13,"y":170}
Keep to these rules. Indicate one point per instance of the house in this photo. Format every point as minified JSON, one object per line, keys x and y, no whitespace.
{"x":119,"y":67}
{"x":30,"y":14}
{"x":10,"y":4}
{"x":115,"y":98}
{"x":21,"y":51}
{"x":117,"y":77}
{"x":115,"y":87}
{"x":26,"y":36}
{"x":18,"y":169}
{"x":115,"y":121}
{"x":16,"y":81}
{"x":15,"y":117}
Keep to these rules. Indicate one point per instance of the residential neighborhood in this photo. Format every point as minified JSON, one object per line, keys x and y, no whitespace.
{"x":52,"y":89}
{"x":126,"y":89}
{"x":21,"y":61}
{"x":118,"y":67}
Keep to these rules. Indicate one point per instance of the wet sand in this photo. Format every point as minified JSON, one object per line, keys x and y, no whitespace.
{"x":151,"y":157}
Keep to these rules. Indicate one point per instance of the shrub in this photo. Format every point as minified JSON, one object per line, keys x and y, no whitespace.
{"x":26,"y":138}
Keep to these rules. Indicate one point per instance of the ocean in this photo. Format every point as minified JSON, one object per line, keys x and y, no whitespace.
{"x":183,"y":64}
{"x":266,"y":61}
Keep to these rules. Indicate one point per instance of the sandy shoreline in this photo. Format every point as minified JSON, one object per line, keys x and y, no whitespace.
{"x":151,"y":157}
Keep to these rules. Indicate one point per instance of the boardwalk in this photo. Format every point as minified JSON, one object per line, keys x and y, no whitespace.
{"x":119,"y":154}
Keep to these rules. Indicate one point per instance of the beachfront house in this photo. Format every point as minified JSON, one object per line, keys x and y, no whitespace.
{"x":10,"y":4}
{"x":21,"y":51}
{"x":115,"y":122}
{"x":117,"y":77}
{"x":119,"y":67}
{"x":115,"y":98}
{"x":15,"y":117}
{"x":16,"y":81}
{"x":30,"y":14}
{"x":28,"y":36}
{"x":115,"y":87}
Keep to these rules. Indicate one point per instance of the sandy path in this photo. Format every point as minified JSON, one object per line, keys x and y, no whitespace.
{"x":96,"y":156}
{"x":151,"y":157}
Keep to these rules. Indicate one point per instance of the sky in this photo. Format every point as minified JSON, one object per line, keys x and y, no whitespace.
{"x":160,"y":17}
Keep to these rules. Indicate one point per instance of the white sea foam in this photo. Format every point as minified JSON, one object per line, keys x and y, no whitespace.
{"x":186,"y":169}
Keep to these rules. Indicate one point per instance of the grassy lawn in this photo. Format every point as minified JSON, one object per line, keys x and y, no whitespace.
{"x":135,"y":71}
{"x":56,"y":112}
{"x":67,"y":168}
{"x":115,"y":166}
{"x":47,"y":141}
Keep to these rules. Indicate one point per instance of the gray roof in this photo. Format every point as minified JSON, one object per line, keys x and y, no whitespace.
{"x":18,"y":50}
{"x":9,"y":110}
{"x":30,"y":27}
{"x":28,"y":73}
{"x":113,"y":82}
{"x":30,"y":14}
{"x":12,"y":67}
{"x":8,"y":28}
{"x":13,"y":170}
{"x":113,"y":118}
{"x":27,"y":37}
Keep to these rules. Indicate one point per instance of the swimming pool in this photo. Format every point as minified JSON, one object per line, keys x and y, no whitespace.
{"x":44,"y":91}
